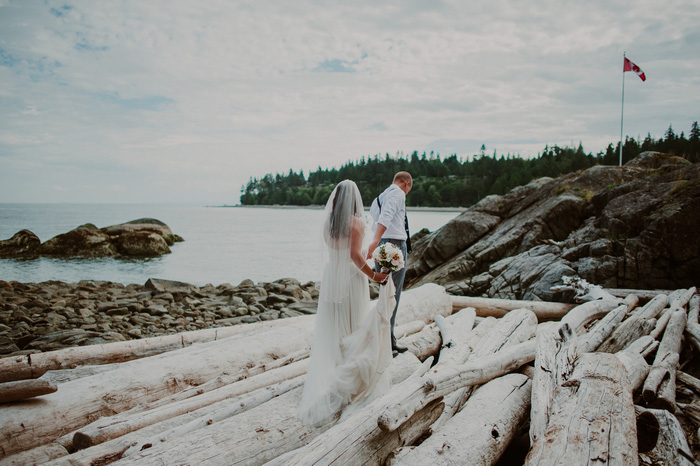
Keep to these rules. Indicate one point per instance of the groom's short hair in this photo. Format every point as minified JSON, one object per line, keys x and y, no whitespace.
{"x":403,"y":176}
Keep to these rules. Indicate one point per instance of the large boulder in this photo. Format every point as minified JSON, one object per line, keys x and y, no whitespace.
{"x":150,"y":225}
{"x":146,"y":237}
{"x":85,"y":241}
{"x":620,"y":227}
{"x":141,"y":243}
{"x":23,"y":242}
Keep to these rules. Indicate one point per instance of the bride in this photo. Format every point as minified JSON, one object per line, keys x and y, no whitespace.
{"x":351,"y":349}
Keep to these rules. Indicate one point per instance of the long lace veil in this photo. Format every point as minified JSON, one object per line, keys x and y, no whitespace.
{"x":343,"y":209}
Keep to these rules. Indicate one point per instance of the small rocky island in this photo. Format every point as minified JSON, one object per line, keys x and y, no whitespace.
{"x":145,"y":237}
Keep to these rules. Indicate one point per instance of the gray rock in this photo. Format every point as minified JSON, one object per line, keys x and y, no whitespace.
{"x":141,"y":244}
{"x":86,"y":240}
{"x":630,"y":227}
{"x":304,"y":307}
{"x":22,"y":243}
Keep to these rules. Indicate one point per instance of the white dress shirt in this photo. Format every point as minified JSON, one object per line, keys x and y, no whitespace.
{"x":393,"y":213}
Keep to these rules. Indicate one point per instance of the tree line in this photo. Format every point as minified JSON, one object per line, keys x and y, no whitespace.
{"x":453,"y":182}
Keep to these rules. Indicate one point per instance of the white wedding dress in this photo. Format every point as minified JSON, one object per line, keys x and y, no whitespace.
{"x":351,"y":350}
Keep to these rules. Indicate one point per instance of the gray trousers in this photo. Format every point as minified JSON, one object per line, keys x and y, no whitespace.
{"x":397,"y":277}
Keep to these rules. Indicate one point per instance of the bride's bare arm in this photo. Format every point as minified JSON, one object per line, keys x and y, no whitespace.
{"x":356,"y":253}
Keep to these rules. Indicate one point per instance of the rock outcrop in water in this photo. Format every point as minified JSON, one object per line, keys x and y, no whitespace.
{"x":620,"y":227}
{"x":146,"y":237}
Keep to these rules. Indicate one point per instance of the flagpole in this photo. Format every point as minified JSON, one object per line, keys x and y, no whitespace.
{"x":622,"y":112}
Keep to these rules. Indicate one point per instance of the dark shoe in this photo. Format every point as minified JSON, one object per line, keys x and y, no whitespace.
{"x":399,"y":349}
{"x":394,"y":353}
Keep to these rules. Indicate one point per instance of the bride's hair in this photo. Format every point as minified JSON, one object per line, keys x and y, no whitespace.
{"x":343,"y":206}
{"x":343,"y":210}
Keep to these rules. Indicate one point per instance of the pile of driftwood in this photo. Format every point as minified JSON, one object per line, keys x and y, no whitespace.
{"x":484,"y":380}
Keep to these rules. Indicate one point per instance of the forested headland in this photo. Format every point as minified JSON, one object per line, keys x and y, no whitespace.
{"x":453,"y":182}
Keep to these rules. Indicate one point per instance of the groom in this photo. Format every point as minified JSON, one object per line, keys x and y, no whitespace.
{"x":390,"y":224}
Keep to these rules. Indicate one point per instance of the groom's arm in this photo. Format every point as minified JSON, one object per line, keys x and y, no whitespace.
{"x":377,"y":237}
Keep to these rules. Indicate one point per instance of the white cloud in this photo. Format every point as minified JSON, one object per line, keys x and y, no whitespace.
{"x":177,"y":101}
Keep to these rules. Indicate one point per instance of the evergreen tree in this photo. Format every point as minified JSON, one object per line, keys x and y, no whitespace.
{"x":450,"y":181}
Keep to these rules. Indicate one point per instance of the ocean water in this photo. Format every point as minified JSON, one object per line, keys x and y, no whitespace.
{"x":222,"y":244}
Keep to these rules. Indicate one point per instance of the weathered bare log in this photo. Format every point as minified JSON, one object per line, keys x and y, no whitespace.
{"x":270,"y":442}
{"x":661,"y":323}
{"x":691,"y":411}
{"x":424,"y":303}
{"x":588,"y":312}
{"x":644,"y":345}
{"x":492,"y":307}
{"x":661,"y":437}
{"x":114,"y":449}
{"x":694,"y":309}
{"x":466,"y":338}
{"x":602,"y":330}
{"x":408,"y":328}
{"x":217,"y":412}
{"x":628,"y":331}
{"x":250,"y":438}
{"x":636,"y":366}
{"x":660,"y":386}
{"x":246,"y":439}
{"x":141,"y":380}
{"x":443,"y":379}
{"x":107,"y":428}
{"x":148,"y":379}
{"x":414,"y":396}
{"x":595,"y":410}
{"x":689,"y":381}
{"x":445,"y":332}
{"x":24,"y":389}
{"x":425,"y":343}
{"x":35,"y":365}
{"x":692,"y":329}
{"x":404,"y":365}
{"x":39,"y":455}
{"x":554,"y":358}
{"x":459,"y":356}
{"x":480,"y":433}
{"x":653,"y":308}
{"x":683,"y":298}
{"x":693,"y":334}
{"x":66,"y":375}
{"x":359,"y":441}
{"x":643,"y":295}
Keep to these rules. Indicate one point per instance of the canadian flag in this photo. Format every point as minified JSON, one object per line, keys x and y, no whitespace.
{"x":629,"y":66}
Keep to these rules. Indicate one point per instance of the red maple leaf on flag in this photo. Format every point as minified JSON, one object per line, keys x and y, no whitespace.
{"x":629,"y":66}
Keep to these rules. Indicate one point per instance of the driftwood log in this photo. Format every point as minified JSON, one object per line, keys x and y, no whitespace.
{"x":481,"y":431}
{"x":444,"y":379}
{"x":140,"y":381}
{"x":660,"y":387}
{"x":24,"y":389}
{"x":492,"y":307}
{"x":661,"y":438}
{"x":594,"y":419}
{"x":34,"y":365}
{"x":233,"y":400}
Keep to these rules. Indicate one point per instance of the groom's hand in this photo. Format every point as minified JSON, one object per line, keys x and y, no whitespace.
{"x":375,"y":241}
{"x":372,"y":247}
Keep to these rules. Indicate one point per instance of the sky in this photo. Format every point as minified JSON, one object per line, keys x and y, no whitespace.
{"x":173,"y":101}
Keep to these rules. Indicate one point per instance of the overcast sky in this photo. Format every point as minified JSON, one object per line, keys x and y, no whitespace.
{"x":179,"y":101}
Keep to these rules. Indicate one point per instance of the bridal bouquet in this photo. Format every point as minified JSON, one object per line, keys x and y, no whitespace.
{"x":389,"y":257}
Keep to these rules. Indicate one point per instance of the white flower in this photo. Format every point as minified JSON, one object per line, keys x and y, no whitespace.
{"x":389,"y":255}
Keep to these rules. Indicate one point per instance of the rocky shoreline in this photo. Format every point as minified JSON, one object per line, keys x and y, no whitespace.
{"x":37,"y":317}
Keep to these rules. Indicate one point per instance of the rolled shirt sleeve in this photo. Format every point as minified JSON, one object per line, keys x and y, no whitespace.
{"x":392,"y":213}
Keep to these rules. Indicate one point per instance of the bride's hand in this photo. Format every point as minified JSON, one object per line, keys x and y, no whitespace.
{"x":380,"y":277}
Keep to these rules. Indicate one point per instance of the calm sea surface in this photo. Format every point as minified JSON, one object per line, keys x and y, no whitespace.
{"x":222,"y":244}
